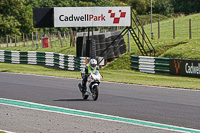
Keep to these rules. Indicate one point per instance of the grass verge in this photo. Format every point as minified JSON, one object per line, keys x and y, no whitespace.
{"x":122,"y":76}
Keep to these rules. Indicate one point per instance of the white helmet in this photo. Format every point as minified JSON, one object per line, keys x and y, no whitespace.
{"x":93,"y":63}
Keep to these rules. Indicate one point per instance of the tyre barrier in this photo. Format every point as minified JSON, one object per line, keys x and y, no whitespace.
{"x":103,"y":40}
{"x":150,"y":64}
{"x":66,"y":62}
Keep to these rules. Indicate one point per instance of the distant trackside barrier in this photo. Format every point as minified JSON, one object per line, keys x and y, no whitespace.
{"x":173,"y":66}
{"x":149,"y":64}
{"x":67,"y":62}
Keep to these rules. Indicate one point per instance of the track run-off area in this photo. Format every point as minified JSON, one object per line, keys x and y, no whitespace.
{"x":32,"y":103}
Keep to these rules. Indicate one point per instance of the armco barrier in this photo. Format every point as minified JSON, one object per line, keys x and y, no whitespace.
{"x":67,"y":62}
{"x":150,"y":64}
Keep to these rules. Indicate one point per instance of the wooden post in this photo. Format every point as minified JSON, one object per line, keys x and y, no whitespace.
{"x":15,"y":41}
{"x":158,"y":29}
{"x":10,"y":41}
{"x":23,"y":39}
{"x":71,"y":37}
{"x":190,"y":29}
{"x":26,"y":39}
{"x":49,"y":34}
{"x":173,"y":29}
{"x":7,"y":40}
{"x":74,"y":39}
{"x":64,"y":35}
{"x":33,"y":40}
{"x":65,"y":38}
{"x":59,"y":36}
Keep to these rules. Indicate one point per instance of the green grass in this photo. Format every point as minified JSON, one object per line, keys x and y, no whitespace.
{"x":119,"y":70}
{"x":181,"y":45}
{"x":2,"y":132}
{"x":122,"y":76}
{"x":56,"y":47}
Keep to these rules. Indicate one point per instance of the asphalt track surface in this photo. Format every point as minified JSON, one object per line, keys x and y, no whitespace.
{"x":179,"y":107}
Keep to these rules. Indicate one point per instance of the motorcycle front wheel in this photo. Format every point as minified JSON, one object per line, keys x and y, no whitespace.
{"x":95,"y":93}
{"x":85,"y":97}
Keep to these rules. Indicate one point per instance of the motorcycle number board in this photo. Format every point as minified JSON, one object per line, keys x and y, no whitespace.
{"x":92,"y":16}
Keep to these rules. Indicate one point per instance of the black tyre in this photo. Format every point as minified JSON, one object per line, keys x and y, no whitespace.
{"x":83,"y":93}
{"x":95,"y":93}
{"x":85,"y":97}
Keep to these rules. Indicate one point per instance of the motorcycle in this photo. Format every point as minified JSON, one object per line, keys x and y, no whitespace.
{"x":91,"y":86}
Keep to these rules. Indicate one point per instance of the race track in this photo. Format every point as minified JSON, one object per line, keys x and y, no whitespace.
{"x":178,"y":107}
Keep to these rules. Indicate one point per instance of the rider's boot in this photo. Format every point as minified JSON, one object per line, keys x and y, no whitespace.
{"x":83,"y":86}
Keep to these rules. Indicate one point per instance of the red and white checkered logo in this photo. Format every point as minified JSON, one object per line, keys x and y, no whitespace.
{"x":117,"y":19}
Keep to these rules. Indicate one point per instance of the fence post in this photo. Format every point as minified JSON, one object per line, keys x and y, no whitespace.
{"x":190,"y":30}
{"x":26,"y":39}
{"x":15,"y":41}
{"x":158,"y":29}
{"x":71,"y":37}
{"x":10,"y":41}
{"x":74,"y":38}
{"x":173,"y":29}
{"x":59,"y":36}
{"x":32,"y":40}
{"x":49,"y":34}
{"x":7,"y":40}
{"x":23,"y":40}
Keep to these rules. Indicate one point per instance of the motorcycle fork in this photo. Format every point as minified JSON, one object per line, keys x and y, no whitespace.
{"x":88,"y":88}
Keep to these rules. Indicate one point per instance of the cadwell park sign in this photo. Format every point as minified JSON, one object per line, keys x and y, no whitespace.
{"x":81,"y":16}
{"x":92,"y":16}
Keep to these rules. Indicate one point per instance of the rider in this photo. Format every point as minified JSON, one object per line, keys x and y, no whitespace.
{"x":91,"y":67}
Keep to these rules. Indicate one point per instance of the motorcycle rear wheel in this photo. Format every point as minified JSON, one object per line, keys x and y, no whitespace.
{"x":95,"y":93}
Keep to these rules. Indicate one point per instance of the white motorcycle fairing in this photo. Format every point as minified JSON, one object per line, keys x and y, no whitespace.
{"x":92,"y":84}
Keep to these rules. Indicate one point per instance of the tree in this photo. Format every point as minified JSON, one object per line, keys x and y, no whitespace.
{"x":9,"y":25}
{"x":186,"y":6}
{"x":141,"y":6}
{"x":163,"y":7}
{"x":26,"y":19}
{"x":9,"y":14}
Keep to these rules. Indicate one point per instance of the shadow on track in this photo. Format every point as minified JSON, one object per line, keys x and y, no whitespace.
{"x":70,"y":100}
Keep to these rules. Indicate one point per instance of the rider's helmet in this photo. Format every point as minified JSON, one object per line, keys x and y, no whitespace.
{"x":93,"y":63}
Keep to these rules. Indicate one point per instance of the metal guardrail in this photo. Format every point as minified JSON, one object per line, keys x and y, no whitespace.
{"x":67,"y":62}
{"x":150,"y":64}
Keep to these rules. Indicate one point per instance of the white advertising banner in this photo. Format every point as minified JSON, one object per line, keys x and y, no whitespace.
{"x":92,"y":16}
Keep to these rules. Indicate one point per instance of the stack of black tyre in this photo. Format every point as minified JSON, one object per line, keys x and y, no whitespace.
{"x":108,"y":45}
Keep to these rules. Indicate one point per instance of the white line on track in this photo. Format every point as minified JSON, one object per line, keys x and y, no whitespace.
{"x":87,"y":114}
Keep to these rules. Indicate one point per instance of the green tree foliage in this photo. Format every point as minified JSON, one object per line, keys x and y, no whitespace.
{"x":26,"y":19}
{"x":9,"y":25}
{"x":141,"y":6}
{"x":9,"y":16}
{"x":186,"y":6}
{"x":62,"y":3}
{"x":16,"y":16}
{"x":163,"y":7}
